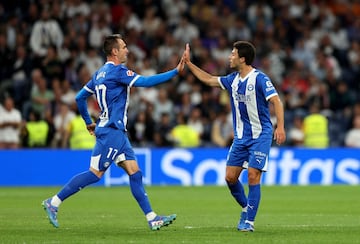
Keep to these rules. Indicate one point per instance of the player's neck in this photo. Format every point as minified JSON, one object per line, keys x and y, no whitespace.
{"x":245,"y":70}
{"x":113,"y":59}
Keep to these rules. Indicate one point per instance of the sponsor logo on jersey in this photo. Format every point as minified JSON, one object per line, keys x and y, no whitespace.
{"x":242,"y":98}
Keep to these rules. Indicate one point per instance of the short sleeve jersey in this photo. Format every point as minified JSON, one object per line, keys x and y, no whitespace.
{"x":111,"y":85}
{"x":249,"y":98}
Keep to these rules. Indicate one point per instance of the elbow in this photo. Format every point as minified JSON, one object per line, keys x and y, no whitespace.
{"x":78,"y":98}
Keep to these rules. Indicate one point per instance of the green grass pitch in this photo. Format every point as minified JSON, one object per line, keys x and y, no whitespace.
{"x":287,"y":214}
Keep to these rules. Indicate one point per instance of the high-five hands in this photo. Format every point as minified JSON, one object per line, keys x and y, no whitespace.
{"x":186,"y":54}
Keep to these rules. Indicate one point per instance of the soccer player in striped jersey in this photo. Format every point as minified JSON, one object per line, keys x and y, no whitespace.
{"x":250,"y":92}
{"x":111,"y":85}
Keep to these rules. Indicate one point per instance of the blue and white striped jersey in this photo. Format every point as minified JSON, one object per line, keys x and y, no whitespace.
{"x":249,"y":103}
{"x":111,"y":85}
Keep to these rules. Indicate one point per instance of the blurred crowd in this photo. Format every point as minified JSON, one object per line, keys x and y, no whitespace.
{"x":49,"y":50}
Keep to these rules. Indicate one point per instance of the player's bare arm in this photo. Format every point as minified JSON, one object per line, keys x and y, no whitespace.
{"x":199,"y":73}
{"x":279,"y":133}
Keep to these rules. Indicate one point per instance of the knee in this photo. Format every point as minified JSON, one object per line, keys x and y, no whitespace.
{"x":231,"y":180}
{"x":254,"y":177}
{"x":98,"y":173}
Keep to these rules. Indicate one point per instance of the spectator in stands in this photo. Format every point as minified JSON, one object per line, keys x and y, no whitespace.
{"x":318,"y":93}
{"x":41,"y":97}
{"x":239,"y":31}
{"x":195,"y":121}
{"x":151,"y":22}
{"x":70,"y":73}
{"x":353,"y":70}
{"x":352,"y":137}
{"x":296,"y":132}
{"x":295,"y":86}
{"x":142,"y":129}
{"x":74,"y":7}
{"x":201,"y":12}
{"x":354,"y":31}
{"x":61,"y":121}
{"x":36,"y":131}
{"x":222,"y":131}
{"x":68,"y":94}
{"x":162,"y":131}
{"x":166,"y":49}
{"x":93,"y":60}
{"x":183,"y":135}
{"x":21,"y":71}
{"x":174,"y":10}
{"x":6,"y":61}
{"x":45,"y":32}
{"x":221,"y":51}
{"x":80,"y":52}
{"x":10,"y":122}
{"x":186,"y":31}
{"x":339,"y":40}
{"x":316,"y":129}
{"x":51,"y":65}
{"x":301,"y":53}
{"x":259,"y":11}
{"x":163,"y":104}
{"x":76,"y":135}
{"x":98,"y":31}
{"x":184,"y":105}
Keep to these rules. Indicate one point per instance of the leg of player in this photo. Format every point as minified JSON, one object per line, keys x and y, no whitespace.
{"x":78,"y":182}
{"x":137,"y":189}
{"x":254,"y":176}
{"x":237,"y":191}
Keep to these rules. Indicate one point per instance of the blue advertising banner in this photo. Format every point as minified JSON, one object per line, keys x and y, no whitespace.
{"x":187,"y":167}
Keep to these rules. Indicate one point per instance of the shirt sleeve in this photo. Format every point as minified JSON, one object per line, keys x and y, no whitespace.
{"x":226,"y":81}
{"x":81,"y":99}
{"x":268,"y":87}
{"x":147,"y":81}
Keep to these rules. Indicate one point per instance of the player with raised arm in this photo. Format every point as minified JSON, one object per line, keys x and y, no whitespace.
{"x":250,"y":92}
{"x":111,"y":85}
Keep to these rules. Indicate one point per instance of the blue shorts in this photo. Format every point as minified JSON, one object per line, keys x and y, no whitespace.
{"x":112,"y":145}
{"x":250,"y":153}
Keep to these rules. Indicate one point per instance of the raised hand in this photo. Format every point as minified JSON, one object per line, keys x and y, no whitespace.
{"x":180,"y":67}
{"x":186,"y":54}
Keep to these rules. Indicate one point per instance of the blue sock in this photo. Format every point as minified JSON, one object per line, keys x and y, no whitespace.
{"x":138,"y":191}
{"x":253,"y":201}
{"x":77,"y":183}
{"x":237,"y":190}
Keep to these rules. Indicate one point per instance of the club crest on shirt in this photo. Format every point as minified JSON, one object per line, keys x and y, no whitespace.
{"x":250,"y":87}
{"x":130,"y":73}
{"x":106,"y":164}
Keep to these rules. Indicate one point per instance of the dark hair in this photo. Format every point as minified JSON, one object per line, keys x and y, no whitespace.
{"x":247,"y":50}
{"x":111,"y":42}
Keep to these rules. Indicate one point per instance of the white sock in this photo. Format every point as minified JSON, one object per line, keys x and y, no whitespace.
{"x":150,"y":216}
{"x":244,"y":209}
{"x":250,"y":222}
{"x":55,"y":201}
